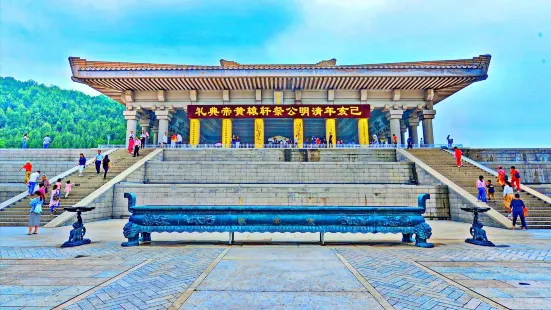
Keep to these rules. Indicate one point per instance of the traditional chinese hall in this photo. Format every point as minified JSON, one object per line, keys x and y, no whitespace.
{"x":210,"y":104}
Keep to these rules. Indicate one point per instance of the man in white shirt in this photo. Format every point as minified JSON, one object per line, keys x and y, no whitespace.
{"x":32,"y":181}
{"x":165,"y":140}
{"x":99,"y":158}
{"x":179,"y":140}
{"x":46,"y":142}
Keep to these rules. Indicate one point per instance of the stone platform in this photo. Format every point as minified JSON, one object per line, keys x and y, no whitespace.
{"x":266,"y":271}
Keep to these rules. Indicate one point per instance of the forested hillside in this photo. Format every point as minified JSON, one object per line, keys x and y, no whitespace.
{"x":71,"y":118}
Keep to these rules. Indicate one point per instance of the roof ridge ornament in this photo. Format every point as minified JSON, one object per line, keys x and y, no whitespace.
{"x":327,"y":63}
{"x":229,"y":64}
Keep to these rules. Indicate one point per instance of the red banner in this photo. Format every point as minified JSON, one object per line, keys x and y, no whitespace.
{"x":280,"y":111}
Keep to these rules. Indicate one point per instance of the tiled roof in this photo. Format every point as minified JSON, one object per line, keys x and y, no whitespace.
{"x":476,"y":62}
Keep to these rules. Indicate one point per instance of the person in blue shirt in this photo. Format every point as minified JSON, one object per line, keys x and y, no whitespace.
{"x":518,"y":207}
{"x":81,"y":164}
{"x":99,"y":159}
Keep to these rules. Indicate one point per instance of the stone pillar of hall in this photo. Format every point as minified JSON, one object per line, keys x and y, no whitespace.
{"x":413,"y":122}
{"x":164,"y":117}
{"x":145,"y":123}
{"x":403,"y":130}
{"x":155,"y":133}
{"x":426,"y":117}
{"x":394,"y":117}
{"x":131,"y":117}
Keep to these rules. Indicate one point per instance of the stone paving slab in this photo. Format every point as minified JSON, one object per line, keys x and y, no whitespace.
{"x":281,"y":300}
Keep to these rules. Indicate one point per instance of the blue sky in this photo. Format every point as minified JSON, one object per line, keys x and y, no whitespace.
{"x":510,"y":109}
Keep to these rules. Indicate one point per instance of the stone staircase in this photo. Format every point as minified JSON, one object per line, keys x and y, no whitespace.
{"x":18,"y":213}
{"x":539,"y":215}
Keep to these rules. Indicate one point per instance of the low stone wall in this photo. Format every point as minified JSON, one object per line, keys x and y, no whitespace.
{"x":543,"y":188}
{"x":9,"y":190}
{"x":530,"y":173}
{"x":508,"y":155}
{"x":280,"y":155}
{"x":45,"y":155}
{"x":278,"y":172}
{"x":283,"y":194}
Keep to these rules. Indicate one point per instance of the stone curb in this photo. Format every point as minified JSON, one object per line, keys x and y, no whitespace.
{"x":52,"y":181}
{"x":67,"y":216}
{"x":493,"y":214}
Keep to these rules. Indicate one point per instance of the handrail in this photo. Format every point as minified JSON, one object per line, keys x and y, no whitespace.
{"x":282,"y":146}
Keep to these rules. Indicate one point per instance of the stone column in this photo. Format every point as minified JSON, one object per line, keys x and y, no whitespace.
{"x":403,"y":130}
{"x":394,"y":117}
{"x":145,"y":123}
{"x":426,"y":117}
{"x":164,"y":117}
{"x":413,"y":122}
{"x":131,"y":118}
{"x":155,"y":136}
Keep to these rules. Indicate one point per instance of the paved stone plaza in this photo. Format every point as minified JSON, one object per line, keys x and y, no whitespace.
{"x":274,"y":271}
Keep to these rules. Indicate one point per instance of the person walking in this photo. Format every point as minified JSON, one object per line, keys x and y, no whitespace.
{"x":137,"y":144}
{"x":24,"y":141}
{"x":32,"y":181}
{"x":34,"y":214}
{"x":173,"y":140}
{"x":481,"y":187}
{"x":330,"y":142}
{"x":491,"y":191}
{"x":395,"y":140}
{"x":131,"y":144}
{"x":457,"y":154}
{"x":515,"y":178}
{"x":410,"y":143}
{"x":54,"y":199}
{"x":507,"y":196}
{"x":501,"y":175}
{"x":450,"y":141}
{"x":106,"y":165}
{"x":28,"y":170}
{"x":518,"y":211}
{"x":81,"y":164}
{"x":46,"y":183}
{"x":68,"y":188}
{"x":99,"y":158}
{"x":142,"y":139}
{"x":46,"y":142}
{"x":179,"y":140}
{"x":165,"y":140}
{"x":421,"y":143}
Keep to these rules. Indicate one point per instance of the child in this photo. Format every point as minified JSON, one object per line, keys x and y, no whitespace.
{"x":42,"y":189}
{"x":481,"y":189}
{"x":491,"y":191}
{"x":518,"y":210}
{"x":54,"y":199}
{"x":68,"y":187}
{"x":58,"y":183}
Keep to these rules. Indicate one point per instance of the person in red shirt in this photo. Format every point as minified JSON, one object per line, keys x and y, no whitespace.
{"x":457,"y":154}
{"x":28,"y":169}
{"x":395,"y":140}
{"x":515,"y":178}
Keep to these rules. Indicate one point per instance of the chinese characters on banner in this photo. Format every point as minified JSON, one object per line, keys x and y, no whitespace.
{"x":280,"y":111}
